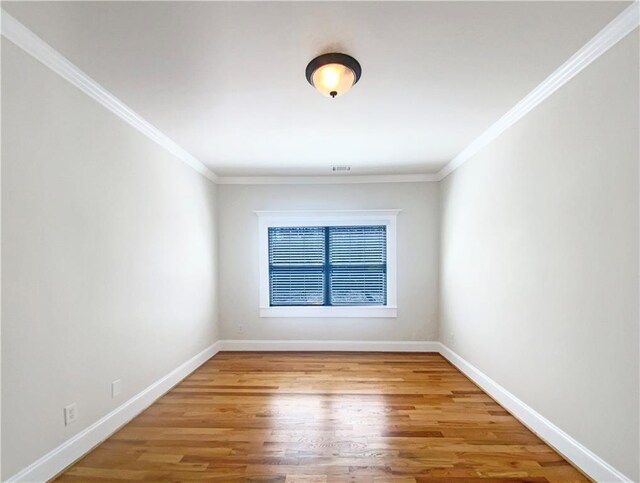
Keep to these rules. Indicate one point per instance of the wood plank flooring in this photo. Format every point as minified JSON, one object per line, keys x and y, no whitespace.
{"x":324,"y":417}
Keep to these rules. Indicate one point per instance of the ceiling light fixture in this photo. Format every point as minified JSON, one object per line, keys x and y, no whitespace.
{"x":333,"y":74}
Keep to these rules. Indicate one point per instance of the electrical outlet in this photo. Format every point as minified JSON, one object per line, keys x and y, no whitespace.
{"x":240,"y":329}
{"x":116,"y":387}
{"x":70,"y":414}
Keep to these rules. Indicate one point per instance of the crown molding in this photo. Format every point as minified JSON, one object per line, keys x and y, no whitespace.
{"x":33,"y":45}
{"x":615,"y":31}
{"x":339,"y":179}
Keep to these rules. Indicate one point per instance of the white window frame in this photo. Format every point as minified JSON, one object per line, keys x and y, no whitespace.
{"x":269,"y":219}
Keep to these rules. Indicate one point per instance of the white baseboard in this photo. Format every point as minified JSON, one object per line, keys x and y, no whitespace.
{"x":71,"y":450}
{"x":58,"y":459}
{"x":583,"y":458}
{"x":330,"y":345}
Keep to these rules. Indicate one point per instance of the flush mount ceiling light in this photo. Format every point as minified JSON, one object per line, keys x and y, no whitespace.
{"x":333,"y":74}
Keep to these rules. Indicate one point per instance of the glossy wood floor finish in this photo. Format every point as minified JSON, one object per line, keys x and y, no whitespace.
{"x":324,"y":417}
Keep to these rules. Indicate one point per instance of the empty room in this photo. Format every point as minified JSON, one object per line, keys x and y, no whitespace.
{"x":320,"y":241}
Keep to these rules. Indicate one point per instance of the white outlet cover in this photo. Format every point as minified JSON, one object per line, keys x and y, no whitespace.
{"x":70,"y":414}
{"x":116,"y":387}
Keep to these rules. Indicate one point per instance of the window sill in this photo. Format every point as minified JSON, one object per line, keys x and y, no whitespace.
{"x":361,"y":312}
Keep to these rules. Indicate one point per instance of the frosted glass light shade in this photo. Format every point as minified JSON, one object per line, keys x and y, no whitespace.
{"x":333,"y":80}
{"x":333,"y":74}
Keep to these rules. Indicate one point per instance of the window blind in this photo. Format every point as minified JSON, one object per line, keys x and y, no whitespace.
{"x":296,"y":265}
{"x":335,"y":265}
{"x":358,"y":257}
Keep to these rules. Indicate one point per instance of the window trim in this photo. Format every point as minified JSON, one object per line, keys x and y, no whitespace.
{"x":267,"y":219}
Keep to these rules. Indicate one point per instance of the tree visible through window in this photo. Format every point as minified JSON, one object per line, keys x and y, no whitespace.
{"x":330,"y":266}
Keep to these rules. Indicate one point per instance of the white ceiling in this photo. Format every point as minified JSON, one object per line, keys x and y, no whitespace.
{"x":226,"y":80}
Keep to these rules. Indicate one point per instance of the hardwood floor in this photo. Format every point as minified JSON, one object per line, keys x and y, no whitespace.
{"x":324,"y":417}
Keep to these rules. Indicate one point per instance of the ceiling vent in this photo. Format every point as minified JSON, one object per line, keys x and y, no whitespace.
{"x":339,"y":169}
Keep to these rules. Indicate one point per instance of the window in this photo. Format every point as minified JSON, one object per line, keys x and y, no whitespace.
{"x":327,"y":264}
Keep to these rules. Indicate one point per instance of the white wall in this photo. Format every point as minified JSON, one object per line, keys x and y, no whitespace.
{"x":417,"y":235}
{"x":108,"y":252}
{"x":539,"y":278}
